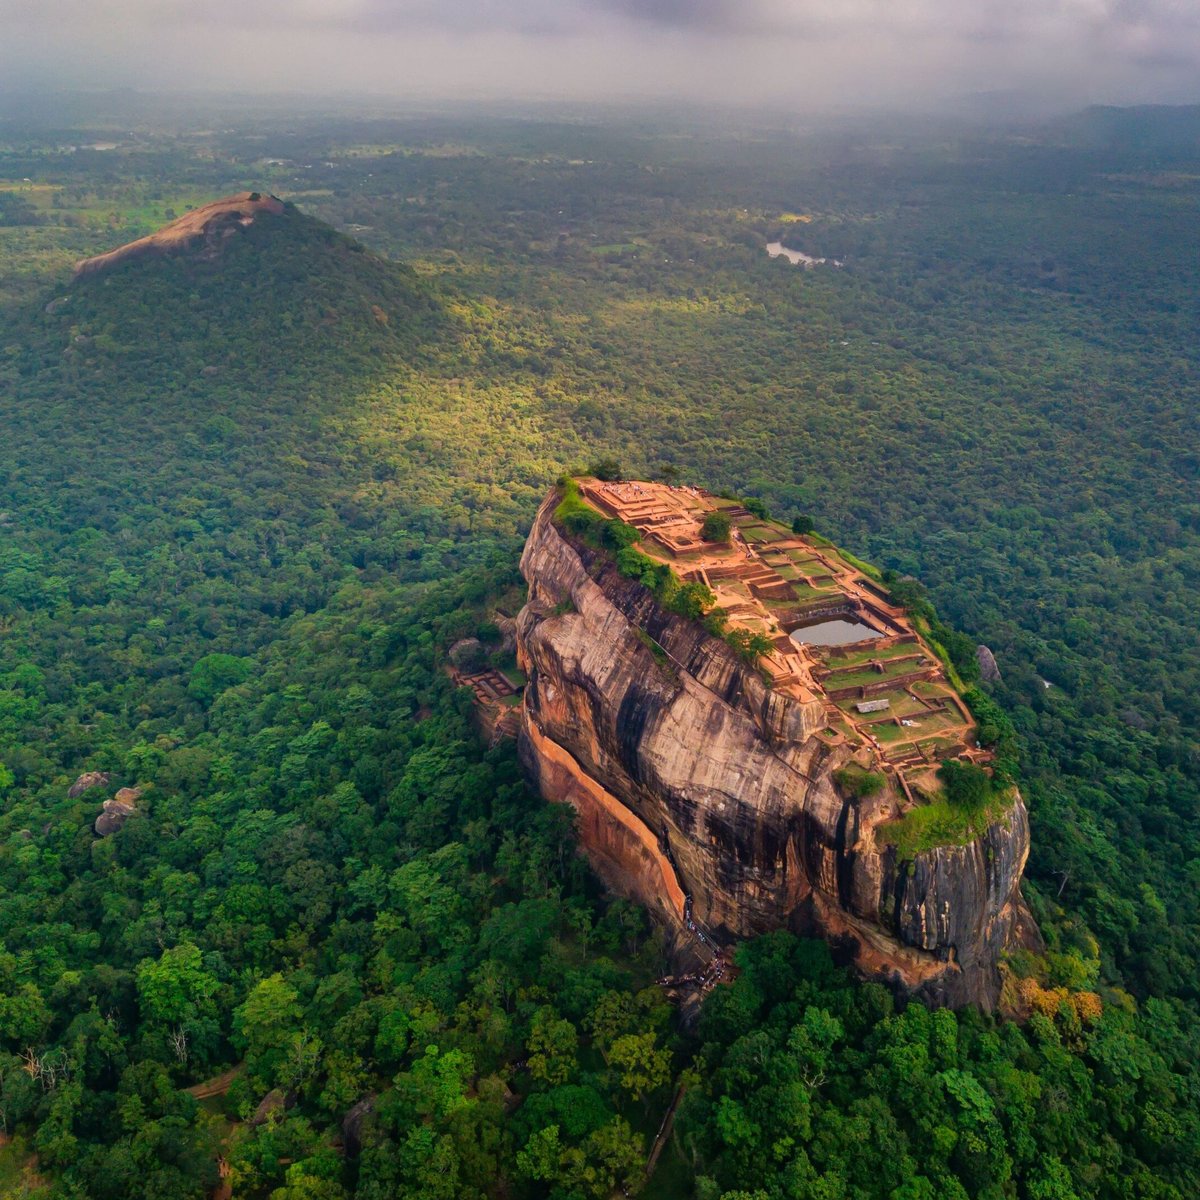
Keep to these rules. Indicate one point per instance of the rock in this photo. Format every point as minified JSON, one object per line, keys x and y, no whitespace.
{"x":989,"y":670}
{"x":203,"y":231}
{"x":709,"y":798}
{"x":86,"y":781}
{"x":353,"y":1123}
{"x":274,"y":1104}
{"x":508,"y":631}
{"x":117,"y":811}
{"x":468,"y":655}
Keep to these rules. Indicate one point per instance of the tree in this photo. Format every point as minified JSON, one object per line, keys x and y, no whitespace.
{"x":214,"y":673}
{"x":965,"y":784}
{"x":716,"y":526}
{"x":266,"y":1026}
{"x":607,"y":468}
{"x":176,"y":988}
{"x":552,"y":1044}
{"x":643,"y":1066}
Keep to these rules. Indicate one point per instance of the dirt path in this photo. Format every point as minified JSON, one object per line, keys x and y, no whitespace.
{"x":218,"y":1085}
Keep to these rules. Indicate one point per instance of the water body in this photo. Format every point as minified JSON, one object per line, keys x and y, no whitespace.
{"x":834,"y":633}
{"x":797,"y":257}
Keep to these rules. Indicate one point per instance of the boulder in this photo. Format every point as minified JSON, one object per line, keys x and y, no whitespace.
{"x":353,"y":1123}
{"x":117,"y":811}
{"x":87,"y":781}
{"x":989,"y":671}
{"x":508,"y":632}
{"x":274,"y":1104}
{"x":468,"y":655}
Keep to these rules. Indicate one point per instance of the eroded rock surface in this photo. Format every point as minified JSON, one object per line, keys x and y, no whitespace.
{"x":707,"y":796}
{"x":203,"y":231}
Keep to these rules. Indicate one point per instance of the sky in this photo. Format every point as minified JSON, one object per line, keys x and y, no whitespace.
{"x":807,"y":53}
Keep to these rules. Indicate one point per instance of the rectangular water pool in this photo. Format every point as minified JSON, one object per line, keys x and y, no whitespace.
{"x":837,"y":632}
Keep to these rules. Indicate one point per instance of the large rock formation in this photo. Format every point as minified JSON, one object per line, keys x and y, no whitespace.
{"x":203,"y":231}
{"x":710,"y":798}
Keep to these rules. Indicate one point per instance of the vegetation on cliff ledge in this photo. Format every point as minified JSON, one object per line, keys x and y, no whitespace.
{"x":692,"y":600}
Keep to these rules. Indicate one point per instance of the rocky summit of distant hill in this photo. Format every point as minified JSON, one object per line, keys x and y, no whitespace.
{"x":249,"y":284}
{"x":204,"y":230}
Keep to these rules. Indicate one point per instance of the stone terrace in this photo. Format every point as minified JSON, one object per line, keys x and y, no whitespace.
{"x":886,"y":693}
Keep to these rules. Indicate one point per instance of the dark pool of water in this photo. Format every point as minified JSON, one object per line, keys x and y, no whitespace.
{"x":834,"y":633}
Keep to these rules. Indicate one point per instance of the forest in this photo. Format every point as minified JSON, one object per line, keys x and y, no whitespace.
{"x":246,"y":505}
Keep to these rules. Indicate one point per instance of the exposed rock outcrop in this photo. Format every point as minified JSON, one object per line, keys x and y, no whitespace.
{"x":117,"y":811}
{"x":710,"y":798}
{"x":202,"y":231}
{"x":354,"y":1124}
{"x":989,"y":669}
{"x":87,"y":781}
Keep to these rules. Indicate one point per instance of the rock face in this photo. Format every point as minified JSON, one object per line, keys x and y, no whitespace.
{"x":706,"y":796}
{"x":202,"y":231}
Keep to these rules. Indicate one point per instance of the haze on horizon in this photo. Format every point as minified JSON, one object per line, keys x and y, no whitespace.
{"x":810,"y":52}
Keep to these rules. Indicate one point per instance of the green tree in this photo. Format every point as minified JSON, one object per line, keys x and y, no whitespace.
{"x":176,"y":988}
{"x":716,"y":526}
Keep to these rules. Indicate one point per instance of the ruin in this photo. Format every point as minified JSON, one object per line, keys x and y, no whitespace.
{"x":879,"y":686}
{"x":497,"y":699}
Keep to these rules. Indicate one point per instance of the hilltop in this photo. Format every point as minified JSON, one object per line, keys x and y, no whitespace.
{"x":204,"y":230}
{"x":249,"y":284}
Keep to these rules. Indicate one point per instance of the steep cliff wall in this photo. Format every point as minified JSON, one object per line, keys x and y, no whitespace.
{"x":693,"y":779}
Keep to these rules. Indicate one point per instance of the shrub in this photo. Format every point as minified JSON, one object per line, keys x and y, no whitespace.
{"x":802,"y":524}
{"x":857,"y":783}
{"x":966,"y":785}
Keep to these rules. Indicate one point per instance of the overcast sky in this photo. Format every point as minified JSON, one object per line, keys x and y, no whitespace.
{"x":810,"y":52}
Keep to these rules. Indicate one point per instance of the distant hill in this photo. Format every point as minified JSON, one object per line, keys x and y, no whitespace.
{"x":247,"y":285}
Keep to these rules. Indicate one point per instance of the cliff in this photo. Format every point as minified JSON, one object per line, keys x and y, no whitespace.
{"x":710,"y":798}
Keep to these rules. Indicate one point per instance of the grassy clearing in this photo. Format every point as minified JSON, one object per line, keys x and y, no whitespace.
{"x":891,"y":670}
{"x":869,"y":655}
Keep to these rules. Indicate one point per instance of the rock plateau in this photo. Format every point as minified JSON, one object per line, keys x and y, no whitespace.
{"x":710,"y":797}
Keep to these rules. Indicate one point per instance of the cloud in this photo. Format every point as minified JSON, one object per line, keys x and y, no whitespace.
{"x":802,"y":51}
